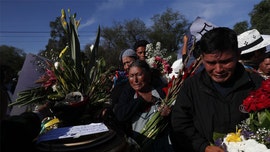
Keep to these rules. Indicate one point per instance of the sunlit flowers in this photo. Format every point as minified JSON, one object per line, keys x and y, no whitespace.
{"x":156,"y":58}
{"x":257,"y":104}
{"x":254,"y":132}
{"x":234,"y":137}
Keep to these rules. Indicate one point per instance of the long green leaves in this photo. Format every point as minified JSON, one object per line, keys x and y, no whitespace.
{"x":75,"y":71}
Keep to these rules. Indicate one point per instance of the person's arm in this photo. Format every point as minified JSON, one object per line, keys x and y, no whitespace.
{"x":127,"y":106}
{"x":184,"y":48}
{"x":183,"y":116}
{"x":213,"y":149}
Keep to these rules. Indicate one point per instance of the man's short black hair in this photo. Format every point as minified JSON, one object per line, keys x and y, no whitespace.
{"x":219,"y":39}
{"x":140,"y":43}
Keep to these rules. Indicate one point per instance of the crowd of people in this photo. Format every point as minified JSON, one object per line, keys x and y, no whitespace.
{"x":208,"y":102}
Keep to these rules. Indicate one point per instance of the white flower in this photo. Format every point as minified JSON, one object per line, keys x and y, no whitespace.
{"x":56,"y":65}
{"x":152,"y":52}
{"x":151,"y":61}
{"x":91,"y":47}
{"x":249,"y":145}
{"x":54,"y":87}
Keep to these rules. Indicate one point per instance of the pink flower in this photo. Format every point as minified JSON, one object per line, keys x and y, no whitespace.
{"x":48,"y":79}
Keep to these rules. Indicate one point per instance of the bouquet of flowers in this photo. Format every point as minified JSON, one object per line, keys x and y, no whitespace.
{"x":71,"y":82}
{"x":157,"y":60}
{"x":158,"y":123}
{"x":254,"y":132}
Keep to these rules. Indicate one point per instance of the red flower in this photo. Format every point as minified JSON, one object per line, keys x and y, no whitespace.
{"x":266,"y":84}
{"x":258,"y":99}
{"x":166,"y":89}
{"x":48,"y":79}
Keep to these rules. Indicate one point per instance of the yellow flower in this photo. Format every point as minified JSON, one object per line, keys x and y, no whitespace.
{"x":63,"y":51}
{"x":234,"y":137}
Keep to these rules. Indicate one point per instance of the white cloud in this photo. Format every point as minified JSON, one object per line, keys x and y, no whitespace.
{"x":87,"y":23}
{"x":219,"y":12}
{"x":204,"y":8}
{"x":102,"y":11}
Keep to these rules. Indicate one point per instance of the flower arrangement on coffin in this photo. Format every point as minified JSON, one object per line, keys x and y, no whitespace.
{"x":155,"y":57}
{"x":72,"y":83}
{"x":253,"y":134}
{"x":158,"y":123}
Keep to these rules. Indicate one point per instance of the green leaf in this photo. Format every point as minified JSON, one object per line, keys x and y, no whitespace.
{"x":264,"y":119}
{"x":217,"y":135}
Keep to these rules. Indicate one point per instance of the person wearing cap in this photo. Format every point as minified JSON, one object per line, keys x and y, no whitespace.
{"x":126,"y":58}
{"x":209,"y":101}
{"x":140,"y":49}
{"x":264,"y":66}
{"x":253,"y":47}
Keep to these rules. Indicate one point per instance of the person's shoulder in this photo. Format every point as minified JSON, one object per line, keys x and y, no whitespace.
{"x":126,"y":88}
{"x":256,"y":78}
{"x":160,"y":91}
{"x":200,"y":76}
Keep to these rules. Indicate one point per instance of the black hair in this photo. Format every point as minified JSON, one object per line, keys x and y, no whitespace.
{"x":197,"y":51}
{"x":141,"y":64}
{"x":140,"y":43}
{"x":264,"y":56}
{"x":219,"y":39}
{"x":254,"y":58}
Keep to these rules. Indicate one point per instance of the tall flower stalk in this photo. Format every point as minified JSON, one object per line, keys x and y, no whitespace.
{"x":74,"y":71}
{"x":158,"y":123}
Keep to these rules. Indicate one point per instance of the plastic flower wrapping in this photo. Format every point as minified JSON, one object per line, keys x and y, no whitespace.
{"x":253,"y":134}
{"x":71,"y":82}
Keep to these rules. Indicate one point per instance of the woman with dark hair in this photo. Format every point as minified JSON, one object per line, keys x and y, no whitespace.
{"x":137,"y":104}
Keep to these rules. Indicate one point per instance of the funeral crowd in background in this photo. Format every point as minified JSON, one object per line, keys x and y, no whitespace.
{"x":231,"y":66}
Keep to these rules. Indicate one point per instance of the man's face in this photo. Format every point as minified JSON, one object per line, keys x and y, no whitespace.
{"x":140,"y":51}
{"x":220,"y":66}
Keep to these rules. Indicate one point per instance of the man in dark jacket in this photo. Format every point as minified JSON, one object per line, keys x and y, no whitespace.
{"x":210,"y":101}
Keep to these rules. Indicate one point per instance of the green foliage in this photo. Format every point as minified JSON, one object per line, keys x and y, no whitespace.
{"x":240,"y":27}
{"x":57,"y":42}
{"x":260,"y":17}
{"x":260,"y":119}
{"x":168,"y":29}
{"x":73,"y":72}
{"x":12,"y":57}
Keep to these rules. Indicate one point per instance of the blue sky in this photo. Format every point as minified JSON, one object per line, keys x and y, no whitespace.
{"x":24,"y":24}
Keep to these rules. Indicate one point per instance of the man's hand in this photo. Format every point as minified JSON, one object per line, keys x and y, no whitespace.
{"x":213,"y":149}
